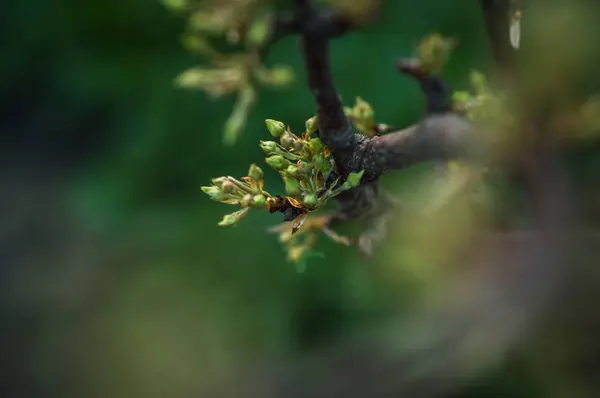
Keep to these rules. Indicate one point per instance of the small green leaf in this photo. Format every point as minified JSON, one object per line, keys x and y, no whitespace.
{"x":233,"y":218}
{"x":259,"y":31}
{"x":237,"y":120}
{"x":354,"y":178}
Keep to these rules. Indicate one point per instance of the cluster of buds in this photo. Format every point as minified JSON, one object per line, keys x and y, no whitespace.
{"x":481,"y":104}
{"x":304,"y":164}
{"x":247,"y":193}
{"x":362,"y":117}
{"x":233,"y":19}
{"x":433,"y":53}
{"x":244,"y":23}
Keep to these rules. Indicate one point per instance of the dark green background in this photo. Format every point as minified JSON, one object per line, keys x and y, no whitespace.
{"x":116,"y":280}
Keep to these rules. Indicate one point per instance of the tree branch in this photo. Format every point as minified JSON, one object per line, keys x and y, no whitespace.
{"x":317,"y":27}
{"x":438,"y":137}
{"x":441,"y":135}
{"x":334,"y":127}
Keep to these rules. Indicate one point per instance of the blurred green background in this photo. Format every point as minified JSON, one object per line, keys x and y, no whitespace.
{"x":115,"y":279}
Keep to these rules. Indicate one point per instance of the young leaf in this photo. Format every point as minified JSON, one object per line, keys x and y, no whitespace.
{"x":237,"y":120}
{"x":233,"y":218}
{"x":354,"y":178}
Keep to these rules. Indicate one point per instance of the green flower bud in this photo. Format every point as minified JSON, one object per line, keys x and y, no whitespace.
{"x":310,"y":200}
{"x":292,"y":186}
{"x":228,"y":187}
{"x":276,"y":161}
{"x":363,"y":109}
{"x":287,"y":141}
{"x":227,"y":220}
{"x":276,"y":128}
{"x":268,"y":147}
{"x":255,"y":172}
{"x":318,"y":162}
{"x":304,"y":167}
{"x":214,"y":193}
{"x":219,"y":180}
{"x":259,"y":200}
{"x":292,"y":171}
{"x":316,"y":145}
{"x":298,"y":145}
{"x":246,"y":200}
{"x":311,"y":125}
